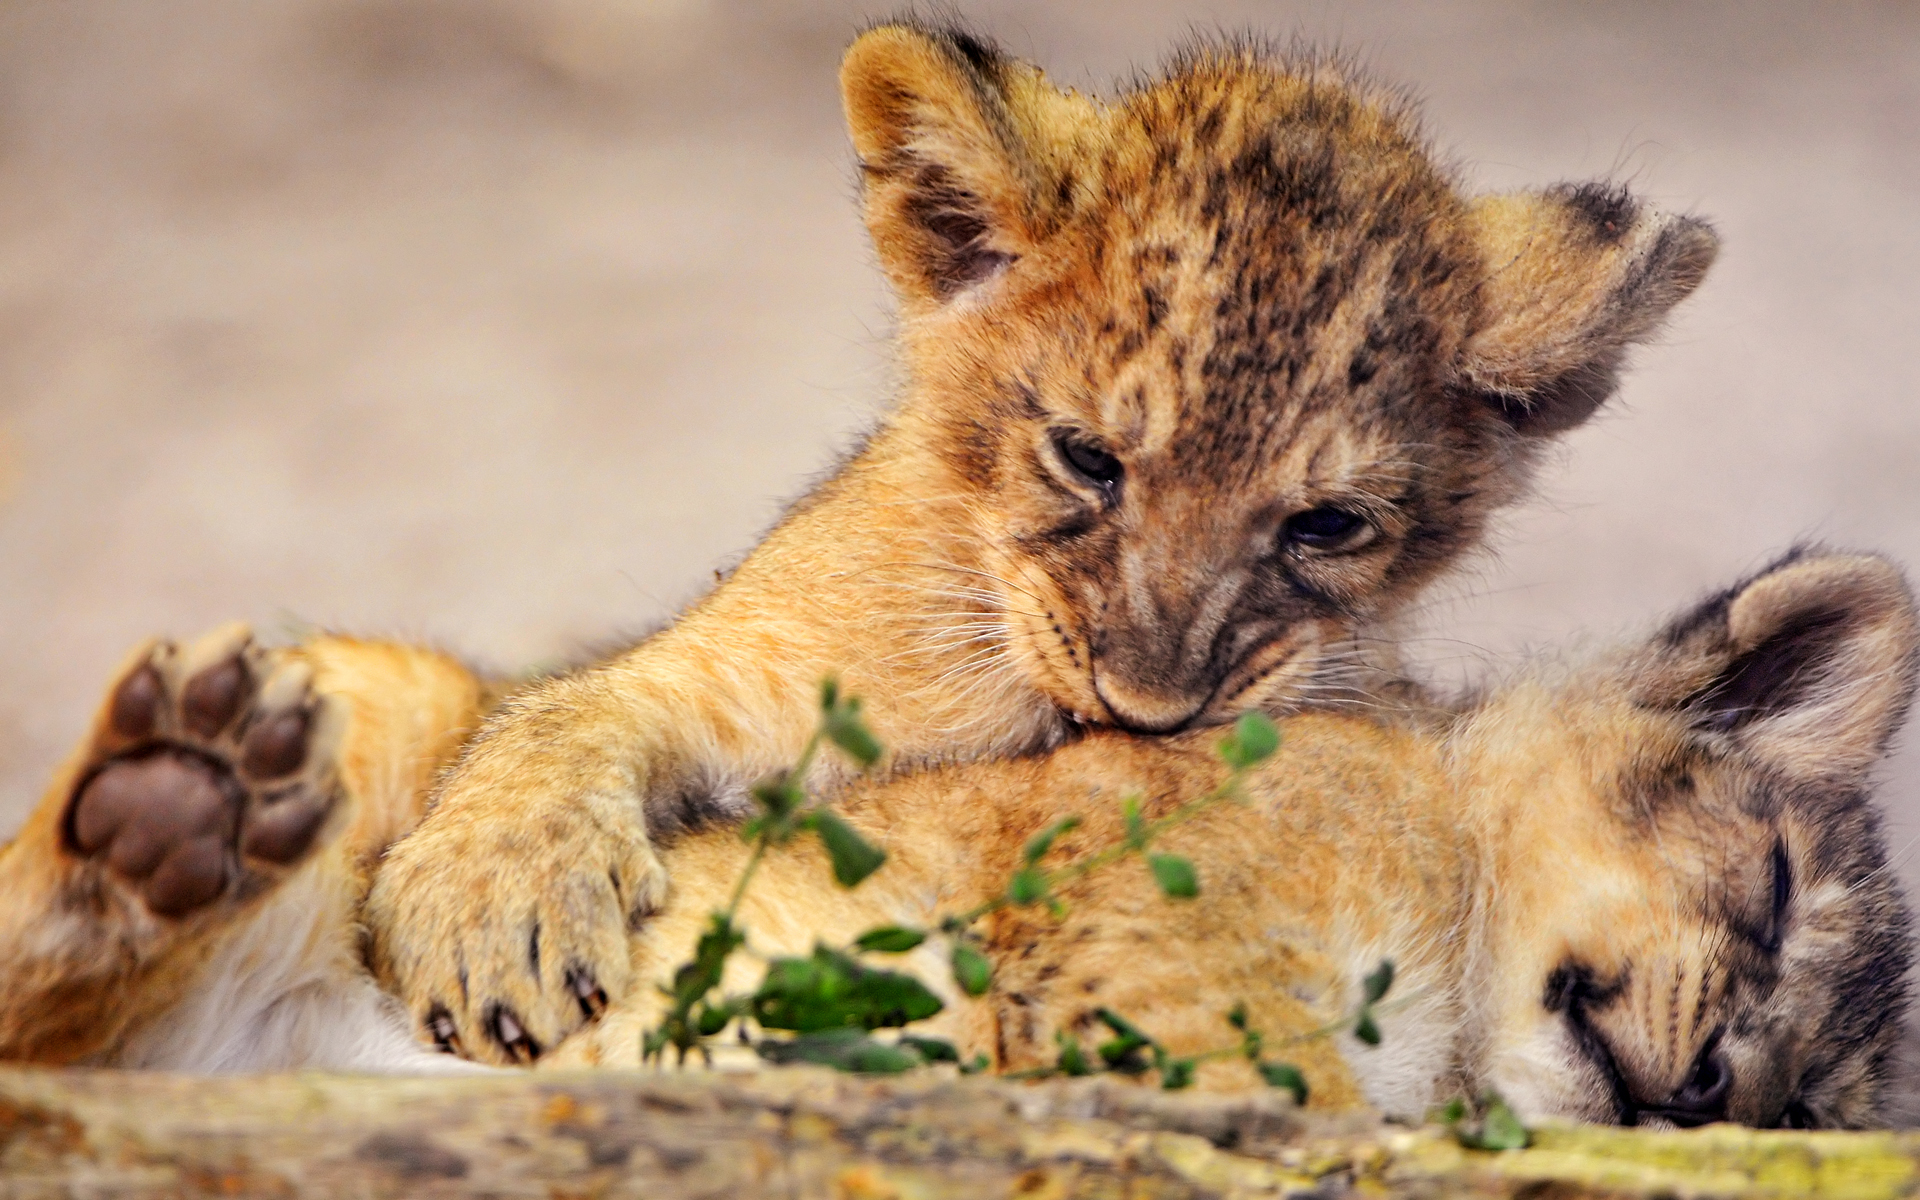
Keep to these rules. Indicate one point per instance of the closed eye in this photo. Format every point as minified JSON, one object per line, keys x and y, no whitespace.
{"x":1782,"y":897}
{"x":1767,"y":929}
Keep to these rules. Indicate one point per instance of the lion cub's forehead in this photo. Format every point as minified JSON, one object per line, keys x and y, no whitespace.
{"x":1257,"y":246}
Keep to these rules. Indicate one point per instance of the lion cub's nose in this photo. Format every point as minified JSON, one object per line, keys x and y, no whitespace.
{"x":1140,"y":710}
{"x":1702,"y":1099}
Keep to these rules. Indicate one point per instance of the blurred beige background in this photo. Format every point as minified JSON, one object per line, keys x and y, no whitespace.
{"x":504,"y":324}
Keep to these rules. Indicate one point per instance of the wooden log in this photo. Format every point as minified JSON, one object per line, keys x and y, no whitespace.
{"x":809,"y":1133}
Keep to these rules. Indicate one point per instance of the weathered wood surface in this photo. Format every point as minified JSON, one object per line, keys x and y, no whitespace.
{"x":806,"y":1133}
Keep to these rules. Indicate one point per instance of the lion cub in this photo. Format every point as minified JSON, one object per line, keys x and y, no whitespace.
{"x":1650,"y":889}
{"x":1647,"y":890}
{"x":1201,"y":383}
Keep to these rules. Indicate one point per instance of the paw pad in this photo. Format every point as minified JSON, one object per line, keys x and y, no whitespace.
{"x":211,"y":773}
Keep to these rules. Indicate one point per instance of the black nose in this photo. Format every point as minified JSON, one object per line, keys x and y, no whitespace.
{"x":1703,"y":1097}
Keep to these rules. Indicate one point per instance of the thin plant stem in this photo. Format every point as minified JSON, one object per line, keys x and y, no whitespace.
{"x":746,"y":876}
{"x":1112,"y":854}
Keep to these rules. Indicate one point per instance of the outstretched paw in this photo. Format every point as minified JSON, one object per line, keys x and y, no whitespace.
{"x":212,"y":773}
{"x":505,"y":932}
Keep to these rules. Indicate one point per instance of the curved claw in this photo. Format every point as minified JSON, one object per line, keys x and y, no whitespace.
{"x":440,"y":1027}
{"x":512,"y":1036}
{"x":587,"y":990}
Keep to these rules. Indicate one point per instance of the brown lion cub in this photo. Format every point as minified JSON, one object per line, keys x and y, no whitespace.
{"x":1201,"y":383}
{"x":1649,"y":889}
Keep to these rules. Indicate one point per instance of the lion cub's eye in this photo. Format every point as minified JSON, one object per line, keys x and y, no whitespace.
{"x":1088,"y":458}
{"x":1327,"y":528}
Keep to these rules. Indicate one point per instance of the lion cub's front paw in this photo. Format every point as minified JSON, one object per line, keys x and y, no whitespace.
{"x":210,"y":775}
{"x":504,"y":926}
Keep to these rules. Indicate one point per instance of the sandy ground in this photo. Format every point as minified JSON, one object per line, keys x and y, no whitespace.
{"x":504,"y":324}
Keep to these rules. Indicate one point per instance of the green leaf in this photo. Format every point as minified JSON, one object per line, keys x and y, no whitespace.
{"x":841,"y":721}
{"x":781,"y":802}
{"x":1123,"y":1052}
{"x":854,"y":857}
{"x":890,"y":939}
{"x":1365,"y":1029}
{"x":1042,"y":842}
{"x":1288,"y":1076}
{"x":1377,"y":983}
{"x":975,"y":1065}
{"x":831,"y":990}
{"x":1176,"y":1073}
{"x":841,"y":1049}
{"x":932,"y":1049}
{"x":1120,"y":1025}
{"x":971,"y":970}
{"x":1497,"y":1129}
{"x":1253,"y":739}
{"x":713,"y":1018}
{"x":1027,"y":885}
{"x":1175,"y":875}
{"x":695,"y":979}
{"x":1502,"y":1130}
{"x":1237,"y":1017}
{"x":778,"y":795}
{"x":1073,"y":1059}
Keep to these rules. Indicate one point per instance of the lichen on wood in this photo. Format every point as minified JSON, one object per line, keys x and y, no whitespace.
{"x":805,"y":1133}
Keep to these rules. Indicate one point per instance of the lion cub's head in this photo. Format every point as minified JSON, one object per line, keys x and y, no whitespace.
{"x":1693,"y":917}
{"x":1228,"y":366}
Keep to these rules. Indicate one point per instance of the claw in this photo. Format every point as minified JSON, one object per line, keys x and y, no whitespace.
{"x":587,"y":990}
{"x":445,"y":1034}
{"x":512,"y":1036}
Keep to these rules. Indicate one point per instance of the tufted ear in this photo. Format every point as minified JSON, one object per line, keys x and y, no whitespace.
{"x":959,"y":154}
{"x":1574,"y":275}
{"x":1809,"y":665}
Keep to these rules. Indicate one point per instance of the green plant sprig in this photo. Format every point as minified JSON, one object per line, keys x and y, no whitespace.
{"x":830,"y":1002}
{"x":1252,"y":741}
{"x":1133,"y":1052}
{"x":785,"y":814}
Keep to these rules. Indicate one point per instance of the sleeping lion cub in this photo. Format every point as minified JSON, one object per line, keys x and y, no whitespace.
{"x":1202,"y":385}
{"x":1648,"y":889}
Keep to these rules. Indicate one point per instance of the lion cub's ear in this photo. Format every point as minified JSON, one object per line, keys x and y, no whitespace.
{"x":1809,"y":665}
{"x":1574,"y":275}
{"x":960,"y":151}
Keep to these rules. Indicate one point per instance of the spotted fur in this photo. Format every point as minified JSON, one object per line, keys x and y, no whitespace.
{"x":1201,"y":382}
{"x":1636,"y":891}
{"x":1649,"y":889}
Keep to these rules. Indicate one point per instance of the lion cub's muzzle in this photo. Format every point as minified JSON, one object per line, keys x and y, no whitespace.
{"x":1145,"y":695}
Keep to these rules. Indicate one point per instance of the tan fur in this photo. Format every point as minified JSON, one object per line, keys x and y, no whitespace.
{"x":1576,"y":879}
{"x":1349,"y":848}
{"x":1587,"y":831}
{"x":89,"y":966}
{"x":1249,"y":287}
